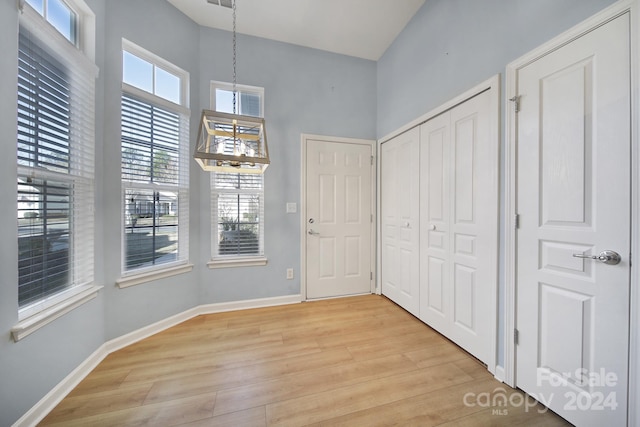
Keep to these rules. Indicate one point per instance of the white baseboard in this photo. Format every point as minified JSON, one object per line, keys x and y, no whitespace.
{"x":146,"y":331}
{"x":247,"y":304}
{"x":64,"y":387}
{"x":499,"y":374}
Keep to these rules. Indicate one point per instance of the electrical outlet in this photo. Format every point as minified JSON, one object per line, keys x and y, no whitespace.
{"x":289,"y":273}
{"x":292,"y":207}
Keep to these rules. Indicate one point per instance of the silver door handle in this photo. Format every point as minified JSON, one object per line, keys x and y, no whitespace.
{"x":313,"y":233}
{"x":607,"y":257}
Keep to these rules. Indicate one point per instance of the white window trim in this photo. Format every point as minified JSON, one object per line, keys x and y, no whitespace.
{"x":150,"y":275}
{"x":237,"y":262}
{"x":163,"y":64}
{"x":56,"y":306}
{"x":85,"y":26}
{"x":40,"y":313}
{"x":231,"y":261}
{"x":215,"y":84}
{"x":147,"y":274}
{"x":161,"y":102}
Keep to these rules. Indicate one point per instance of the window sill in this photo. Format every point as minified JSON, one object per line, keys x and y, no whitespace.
{"x":33,"y":323}
{"x":237,"y":262}
{"x":149,"y":276}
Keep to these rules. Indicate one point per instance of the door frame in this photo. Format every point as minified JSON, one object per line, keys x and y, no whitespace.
{"x":507,"y":371}
{"x":304,"y":139}
{"x":492,"y":85}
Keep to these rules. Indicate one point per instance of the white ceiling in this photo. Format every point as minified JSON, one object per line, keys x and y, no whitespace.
{"x":360,"y":28}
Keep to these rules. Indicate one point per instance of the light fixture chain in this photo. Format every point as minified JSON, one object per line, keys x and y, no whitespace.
{"x":234,"y":56}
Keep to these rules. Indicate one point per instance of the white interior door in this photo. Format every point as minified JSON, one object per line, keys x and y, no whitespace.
{"x":339,"y":223}
{"x":459,"y":225}
{"x":573,"y":198}
{"x":400,"y":210}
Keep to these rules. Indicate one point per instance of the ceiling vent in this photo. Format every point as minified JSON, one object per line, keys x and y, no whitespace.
{"x":224,"y":3}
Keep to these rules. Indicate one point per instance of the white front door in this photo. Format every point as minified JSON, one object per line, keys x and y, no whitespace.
{"x":573,"y":201}
{"x":459,"y":225}
{"x":400,"y":210}
{"x":339,"y":220}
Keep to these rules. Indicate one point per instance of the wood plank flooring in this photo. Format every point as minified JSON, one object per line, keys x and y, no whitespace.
{"x":359,"y":361}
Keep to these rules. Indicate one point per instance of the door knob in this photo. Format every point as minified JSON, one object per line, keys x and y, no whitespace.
{"x":313,"y":233}
{"x":607,"y":257}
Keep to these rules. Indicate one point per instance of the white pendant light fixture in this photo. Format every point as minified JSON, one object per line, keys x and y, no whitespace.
{"x":232,"y":142}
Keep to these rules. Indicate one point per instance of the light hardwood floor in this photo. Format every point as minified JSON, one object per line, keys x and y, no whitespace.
{"x":359,"y":361}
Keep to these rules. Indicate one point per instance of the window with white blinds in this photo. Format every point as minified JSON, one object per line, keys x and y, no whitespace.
{"x":155,"y":163}
{"x":55,"y":156}
{"x":238,"y":209}
{"x":237,"y":199}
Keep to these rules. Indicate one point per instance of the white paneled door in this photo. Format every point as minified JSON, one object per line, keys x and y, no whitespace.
{"x":459,"y":226}
{"x":400,"y":209}
{"x":573,"y":201}
{"x":339,"y":220}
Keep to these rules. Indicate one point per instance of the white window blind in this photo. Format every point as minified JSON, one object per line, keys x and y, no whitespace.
{"x":55,"y":155}
{"x":237,"y":200}
{"x":155,"y":174}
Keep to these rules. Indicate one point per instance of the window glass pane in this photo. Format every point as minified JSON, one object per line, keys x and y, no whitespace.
{"x":137,"y":72}
{"x":167,"y":85}
{"x":43,"y":238}
{"x":151,"y":228}
{"x":62,"y":18}
{"x":247,"y":103}
{"x":38,"y":5}
{"x":239,"y":224}
{"x":224,"y":101}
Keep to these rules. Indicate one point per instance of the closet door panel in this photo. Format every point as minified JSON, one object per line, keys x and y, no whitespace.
{"x":434,"y":222}
{"x":472,"y":236}
{"x":458,"y":240}
{"x":400,"y":207}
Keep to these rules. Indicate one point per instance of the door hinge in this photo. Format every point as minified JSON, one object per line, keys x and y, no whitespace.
{"x":516,"y":102}
{"x":371,"y":275}
{"x":371,"y":160}
{"x":515,"y":336}
{"x":517,"y":221}
{"x":372,"y":218}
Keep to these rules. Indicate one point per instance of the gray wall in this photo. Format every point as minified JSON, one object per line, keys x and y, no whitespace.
{"x":449,"y":46}
{"x":306,"y":91}
{"x":161,"y":29}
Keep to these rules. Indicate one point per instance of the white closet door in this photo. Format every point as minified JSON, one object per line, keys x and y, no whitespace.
{"x":399,"y":194}
{"x":434,"y":223}
{"x":459,"y":234}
